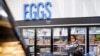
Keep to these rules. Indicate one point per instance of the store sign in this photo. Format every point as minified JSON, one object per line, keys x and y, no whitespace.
{"x":35,"y":11}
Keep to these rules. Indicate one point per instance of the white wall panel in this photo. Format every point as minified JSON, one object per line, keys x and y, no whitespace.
{"x":60,"y":8}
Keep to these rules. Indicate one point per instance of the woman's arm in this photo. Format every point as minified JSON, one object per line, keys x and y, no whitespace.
{"x":76,"y":44}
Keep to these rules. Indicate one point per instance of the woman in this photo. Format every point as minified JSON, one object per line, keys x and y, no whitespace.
{"x":73,"y":46}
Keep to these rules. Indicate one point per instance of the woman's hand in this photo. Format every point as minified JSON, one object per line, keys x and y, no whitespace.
{"x":66,"y":47}
{"x":75,"y":45}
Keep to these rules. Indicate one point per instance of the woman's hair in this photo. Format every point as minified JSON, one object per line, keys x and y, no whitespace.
{"x":69,"y":39}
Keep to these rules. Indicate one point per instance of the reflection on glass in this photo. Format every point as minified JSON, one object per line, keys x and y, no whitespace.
{"x":25,"y":33}
{"x":80,"y":34}
{"x":2,"y":12}
{"x":43,"y":41}
{"x":10,"y":45}
{"x":11,"y":49}
{"x":43,"y":36}
{"x":29,"y":37}
{"x":60,"y":36}
{"x":94,"y":40}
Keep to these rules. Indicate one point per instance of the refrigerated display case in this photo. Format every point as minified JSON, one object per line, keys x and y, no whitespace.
{"x":29,"y":38}
{"x":94,"y":41}
{"x":80,"y":33}
{"x":28,"y":35}
{"x":43,"y":45}
{"x":60,"y":36}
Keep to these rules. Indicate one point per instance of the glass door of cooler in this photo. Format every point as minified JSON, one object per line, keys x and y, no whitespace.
{"x":43,"y":46}
{"x":60,"y":36}
{"x":94,"y":41}
{"x":29,"y":37}
{"x":80,"y":34}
